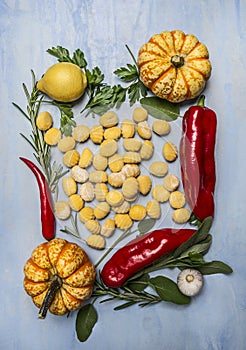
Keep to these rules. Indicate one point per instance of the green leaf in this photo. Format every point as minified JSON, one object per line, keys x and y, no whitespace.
{"x":127,"y":74}
{"x":200,"y":235}
{"x":160,"y":109}
{"x":214,"y":267}
{"x":138,"y":284}
{"x":79,"y":58}
{"x":168,"y":290}
{"x":61,"y":53}
{"x":146,"y":225}
{"x":85,"y":321}
{"x":200,"y":248}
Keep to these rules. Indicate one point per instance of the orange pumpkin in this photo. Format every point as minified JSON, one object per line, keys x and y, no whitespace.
{"x":58,"y":277}
{"x":174,"y":66}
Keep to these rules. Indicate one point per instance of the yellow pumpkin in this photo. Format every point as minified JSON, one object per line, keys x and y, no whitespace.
{"x":174,"y":66}
{"x":58,"y":277}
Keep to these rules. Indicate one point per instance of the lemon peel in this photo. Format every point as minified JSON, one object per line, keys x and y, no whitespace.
{"x":64,"y":82}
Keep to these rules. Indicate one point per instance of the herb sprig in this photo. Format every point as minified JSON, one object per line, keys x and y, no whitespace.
{"x":52,"y":171}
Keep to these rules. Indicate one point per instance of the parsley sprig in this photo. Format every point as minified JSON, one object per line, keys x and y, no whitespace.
{"x":101,"y":95}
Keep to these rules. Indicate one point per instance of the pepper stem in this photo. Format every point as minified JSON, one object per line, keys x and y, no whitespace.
{"x":201,"y":101}
{"x":55,"y":285}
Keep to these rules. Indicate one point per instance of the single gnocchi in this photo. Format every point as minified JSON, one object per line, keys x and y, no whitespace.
{"x":109,"y":119}
{"x":123,"y":221}
{"x":153,"y":209}
{"x":93,"y":226}
{"x":101,"y":210}
{"x":96,"y":241}
{"x":113,"y":133}
{"x":87,"y":192}
{"x":147,"y":150}
{"x":130,"y":189}
{"x":144,"y":130}
{"x":160,"y":193}
{"x":44,"y":121}
{"x":52,"y":136}
{"x":171,"y":182}
{"x":158,"y":169}
{"x":108,"y":228}
{"x":108,"y":148}
{"x":69,"y":186}
{"x":161,"y":127}
{"x":116,"y":179}
{"x":66,"y":144}
{"x":181,"y":216}
{"x":79,"y":174}
{"x":100,"y":162}
{"x":177,"y":199}
{"x":71,"y":158}
{"x":81,"y":133}
{"x":76,"y":202}
{"x":86,"y":158}
{"x":115,"y":163}
{"x":137,"y":212}
{"x":132,"y":144}
{"x":130,"y":170}
{"x":145,"y":184}
{"x":170,"y":151}
{"x":114,"y":198}
{"x":86,"y":214}
{"x":101,"y":190}
{"x":127,"y":128}
{"x":96,"y":134}
{"x":62,"y":210}
{"x":140,"y":114}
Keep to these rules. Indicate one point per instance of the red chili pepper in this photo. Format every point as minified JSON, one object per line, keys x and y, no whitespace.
{"x":197,"y":159}
{"x":47,"y":215}
{"x":142,"y":252}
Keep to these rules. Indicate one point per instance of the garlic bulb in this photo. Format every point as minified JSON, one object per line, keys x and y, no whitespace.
{"x":190,"y":282}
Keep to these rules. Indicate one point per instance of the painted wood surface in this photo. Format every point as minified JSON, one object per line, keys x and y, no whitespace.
{"x":216,"y":318}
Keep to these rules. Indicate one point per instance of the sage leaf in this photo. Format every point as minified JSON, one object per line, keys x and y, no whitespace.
{"x":168,"y":290}
{"x":214,"y":267}
{"x":146,"y":225}
{"x":200,"y":248}
{"x":160,"y":109}
{"x":139,"y":284}
{"x":200,"y":235}
{"x":85,"y":321}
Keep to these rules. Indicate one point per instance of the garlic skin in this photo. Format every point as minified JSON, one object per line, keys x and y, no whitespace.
{"x":190,"y":282}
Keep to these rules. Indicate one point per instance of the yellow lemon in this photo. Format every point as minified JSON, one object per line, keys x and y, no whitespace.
{"x":64,"y":82}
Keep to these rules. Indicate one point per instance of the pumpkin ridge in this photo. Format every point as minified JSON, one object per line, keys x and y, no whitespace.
{"x":185,"y":82}
{"x":152,"y":86}
{"x":196,"y":70}
{"x":167,"y":43}
{"x":197,"y":44}
{"x":160,"y":47}
{"x":181,"y":48}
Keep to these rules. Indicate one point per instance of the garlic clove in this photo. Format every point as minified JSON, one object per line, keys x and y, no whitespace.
{"x":190,"y":282}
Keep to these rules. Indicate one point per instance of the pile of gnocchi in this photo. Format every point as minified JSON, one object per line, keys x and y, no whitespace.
{"x":105,"y":187}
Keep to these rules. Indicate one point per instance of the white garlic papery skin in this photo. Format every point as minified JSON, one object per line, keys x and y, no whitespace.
{"x":190,"y":282}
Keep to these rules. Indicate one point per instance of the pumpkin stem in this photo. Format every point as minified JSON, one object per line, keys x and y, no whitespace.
{"x":177,"y":61}
{"x":55,"y":285}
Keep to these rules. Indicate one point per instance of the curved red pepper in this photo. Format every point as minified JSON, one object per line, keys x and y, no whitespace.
{"x":47,"y":215}
{"x":142,"y":252}
{"x":197,"y":159}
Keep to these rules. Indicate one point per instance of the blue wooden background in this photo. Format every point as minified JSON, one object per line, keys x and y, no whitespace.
{"x":216,"y":319}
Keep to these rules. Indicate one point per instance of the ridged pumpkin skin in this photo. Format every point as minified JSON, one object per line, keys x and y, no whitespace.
{"x":59,"y":257}
{"x":174,"y":66}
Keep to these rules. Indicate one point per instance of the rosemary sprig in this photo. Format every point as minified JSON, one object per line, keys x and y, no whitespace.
{"x":53,"y":172}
